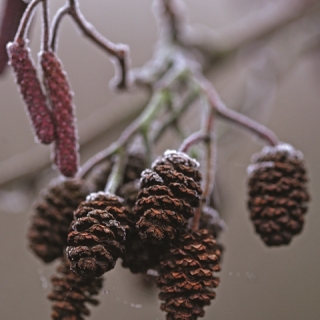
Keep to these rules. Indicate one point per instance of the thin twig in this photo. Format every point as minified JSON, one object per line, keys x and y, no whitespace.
{"x":137,"y":125}
{"x":116,"y":175}
{"x":194,"y":94}
{"x":26,"y":19}
{"x":174,"y":23}
{"x":55,"y":25}
{"x":193,"y":139}
{"x":45,"y":29}
{"x":257,"y":25}
{"x":251,"y":126}
{"x":119,"y":51}
{"x":210,"y":168}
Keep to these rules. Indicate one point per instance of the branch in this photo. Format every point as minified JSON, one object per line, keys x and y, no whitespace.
{"x":257,"y":25}
{"x":119,"y":51}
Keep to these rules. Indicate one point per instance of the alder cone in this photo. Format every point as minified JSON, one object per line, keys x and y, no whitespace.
{"x":53,"y":214}
{"x":66,"y":140}
{"x":31,"y":91}
{"x":71,"y":293}
{"x":168,"y":194}
{"x":277,"y":194}
{"x":98,"y":234}
{"x":186,"y":277}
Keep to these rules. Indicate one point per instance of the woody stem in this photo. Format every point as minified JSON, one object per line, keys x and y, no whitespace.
{"x":25,"y":20}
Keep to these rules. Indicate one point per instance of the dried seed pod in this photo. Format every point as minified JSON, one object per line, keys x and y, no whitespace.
{"x":53,"y":214}
{"x":277,"y":193}
{"x":71,"y":293}
{"x":31,"y":91}
{"x":98,"y":233}
{"x":168,"y":194}
{"x":60,"y":95}
{"x":140,"y":256}
{"x":186,"y":276}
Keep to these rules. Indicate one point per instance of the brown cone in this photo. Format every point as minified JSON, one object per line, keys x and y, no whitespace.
{"x":168,"y":194}
{"x":186,"y":277}
{"x":277,"y":194}
{"x":71,"y":293}
{"x":98,"y":235}
{"x":53,"y":214}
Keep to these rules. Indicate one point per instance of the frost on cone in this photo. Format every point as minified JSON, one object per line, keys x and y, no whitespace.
{"x":70,"y":293}
{"x":53,"y":214}
{"x":277,"y":193}
{"x":168,"y":194}
{"x":31,"y":91}
{"x":98,"y":234}
{"x":58,"y":89}
{"x":186,"y":277}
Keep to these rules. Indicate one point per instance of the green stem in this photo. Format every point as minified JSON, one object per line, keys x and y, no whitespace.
{"x":116,"y":175}
{"x":140,"y":124}
{"x":194,"y":94}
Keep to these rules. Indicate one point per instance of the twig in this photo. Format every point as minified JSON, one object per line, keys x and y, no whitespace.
{"x":236,"y":118}
{"x":35,"y":159}
{"x":193,"y":139}
{"x":45,"y":29}
{"x":55,"y":25}
{"x":143,"y":120}
{"x":117,"y":172}
{"x":257,"y":25}
{"x":25,"y":20}
{"x":119,"y":51}
{"x":210,"y":165}
{"x":174,"y":24}
{"x":194,"y":94}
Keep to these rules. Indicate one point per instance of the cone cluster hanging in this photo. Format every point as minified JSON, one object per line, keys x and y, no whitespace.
{"x":187,"y":277}
{"x":98,"y":234}
{"x":277,"y":194}
{"x":71,"y":293}
{"x":168,"y":194}
{"x":53,"y":214}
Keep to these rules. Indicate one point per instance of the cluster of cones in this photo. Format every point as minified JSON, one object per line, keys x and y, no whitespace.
{"x":146,"y":224}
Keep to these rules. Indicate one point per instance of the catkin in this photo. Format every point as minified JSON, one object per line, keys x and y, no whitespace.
{"x":31,"y":91}
{"x":66,"y":145}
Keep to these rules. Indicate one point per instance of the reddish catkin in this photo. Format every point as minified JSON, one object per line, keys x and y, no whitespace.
{"x":56,"y":83}
{"x":31,"y":91}
{"x":9,"y":22}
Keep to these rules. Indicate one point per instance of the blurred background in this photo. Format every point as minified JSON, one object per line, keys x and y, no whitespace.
{"x":269,"y":69}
